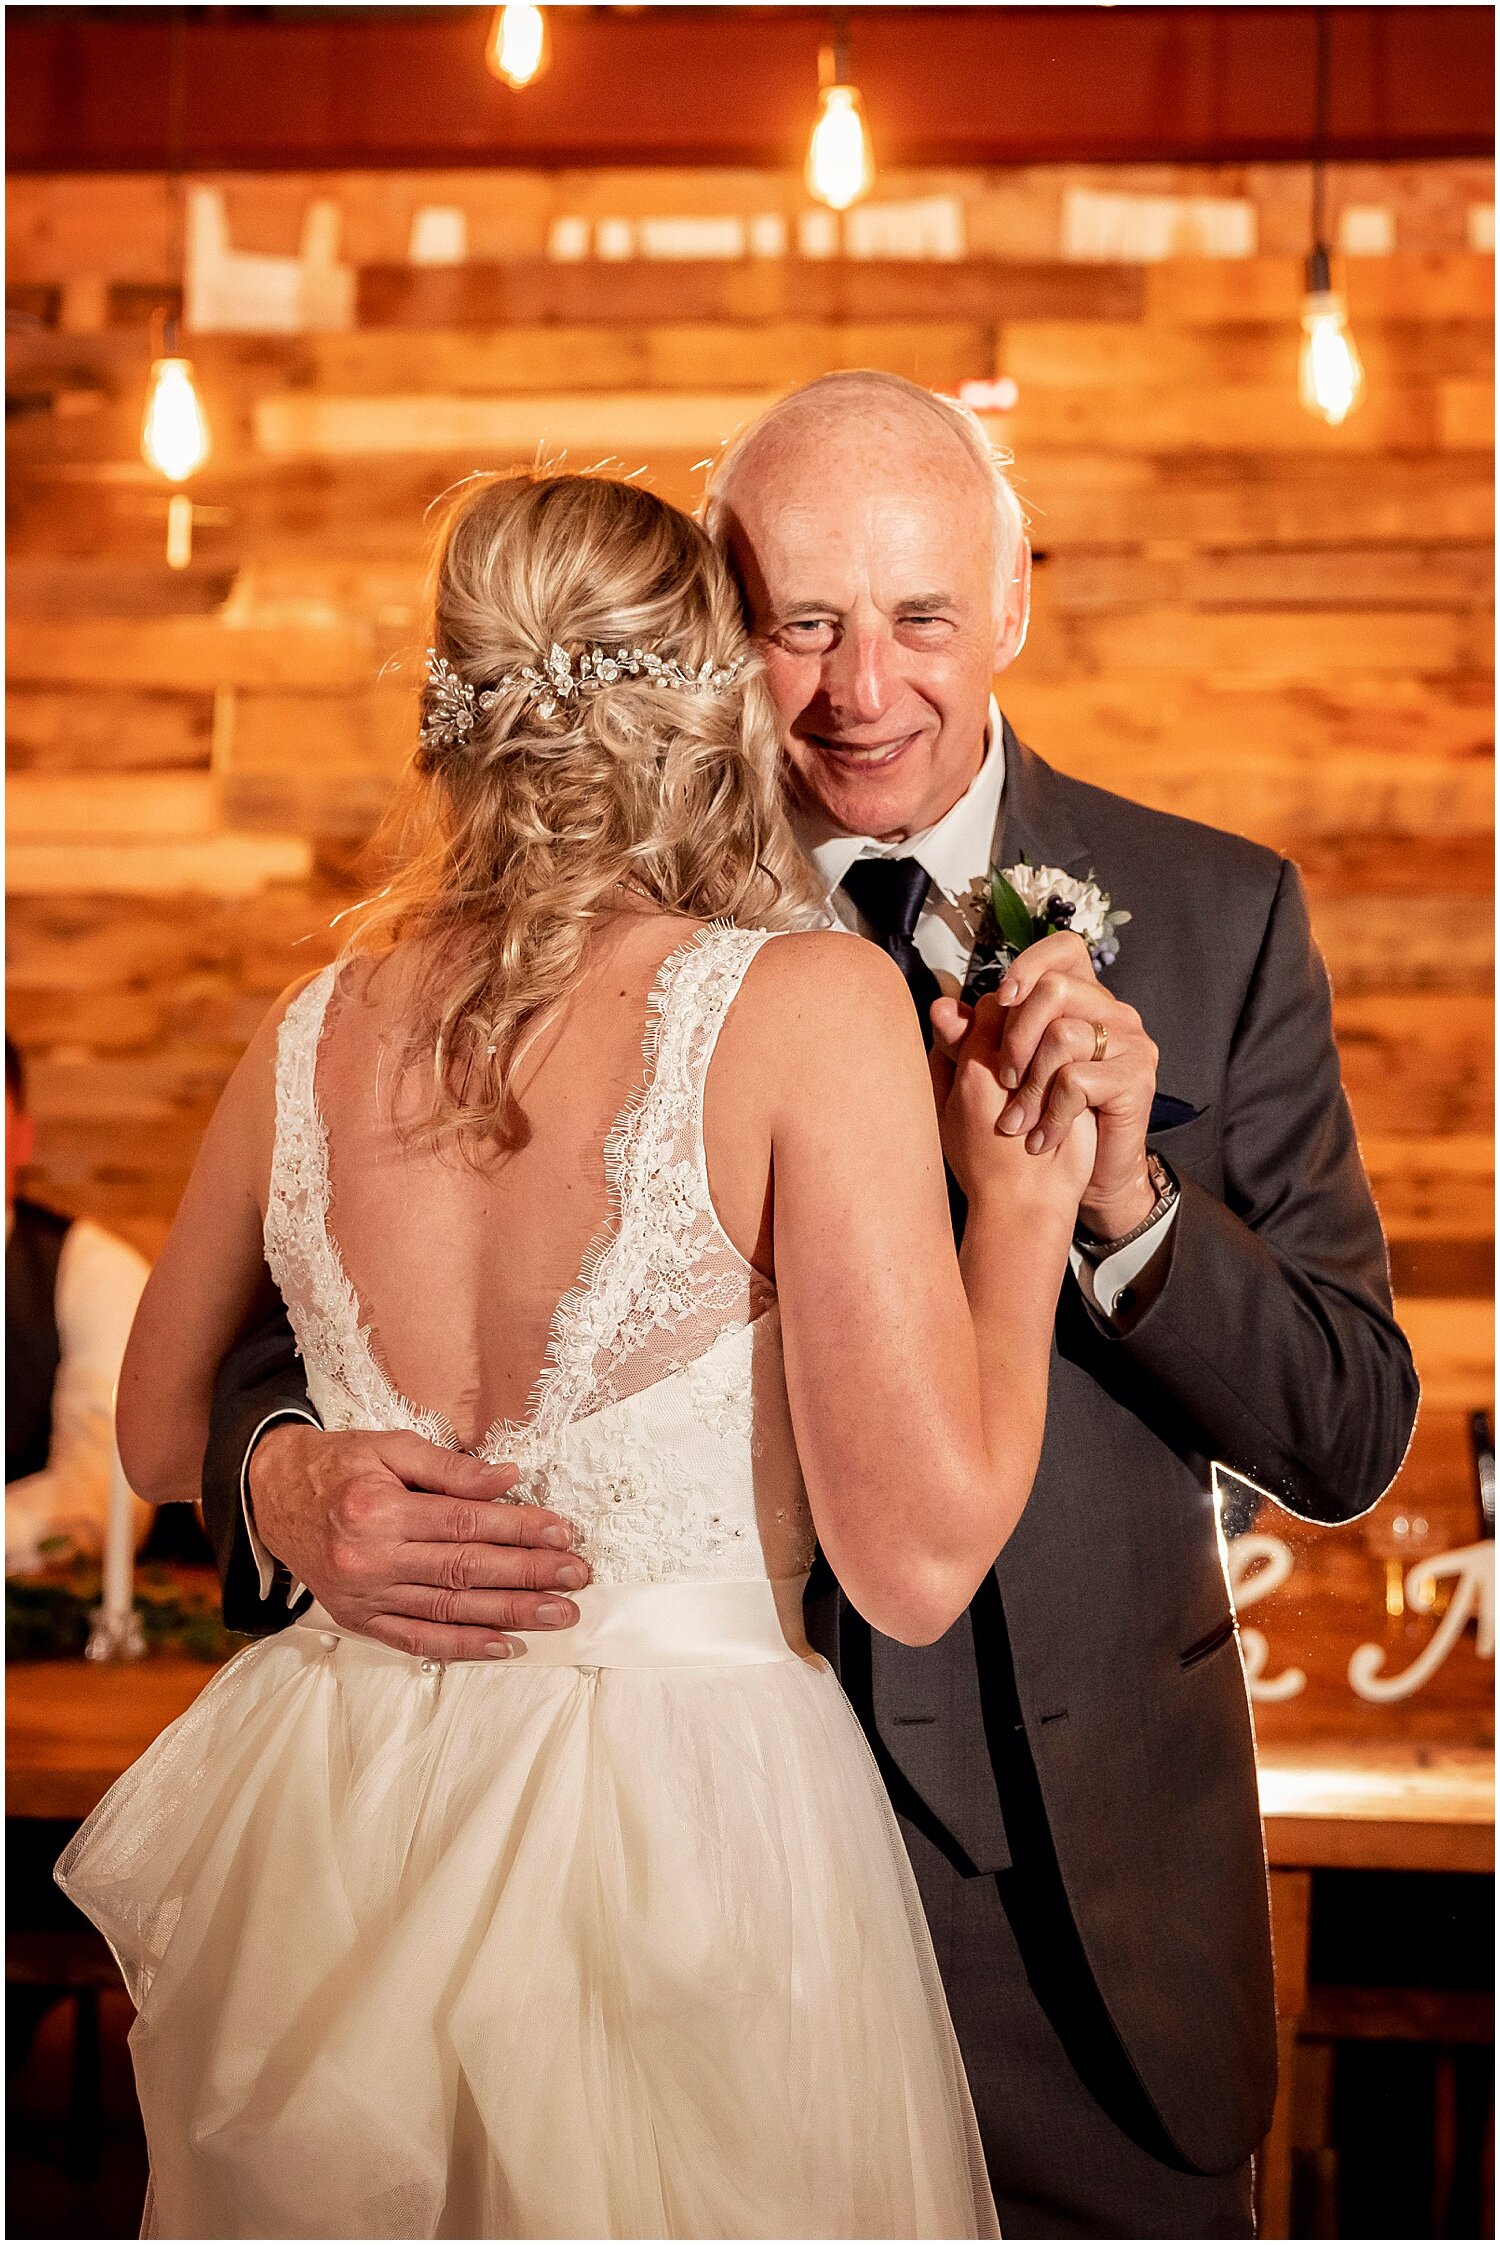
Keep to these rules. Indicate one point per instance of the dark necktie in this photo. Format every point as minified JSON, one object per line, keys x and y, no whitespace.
{"x":890,"y":893}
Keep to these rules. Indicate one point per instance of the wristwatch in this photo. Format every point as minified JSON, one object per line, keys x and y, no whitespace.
{"x":1168,"y":1191}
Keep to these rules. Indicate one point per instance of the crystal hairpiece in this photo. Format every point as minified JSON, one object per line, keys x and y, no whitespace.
{"x":454,"y":706}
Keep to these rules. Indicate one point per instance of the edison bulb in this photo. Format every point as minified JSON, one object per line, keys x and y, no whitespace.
{"x":1331,"y":379}
{"x":840,"y":166}
{"x":518,"y":46}
{"x":174,"y":434}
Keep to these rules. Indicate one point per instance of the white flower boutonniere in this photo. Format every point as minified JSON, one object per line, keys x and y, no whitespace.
{"x":1018,"y":906}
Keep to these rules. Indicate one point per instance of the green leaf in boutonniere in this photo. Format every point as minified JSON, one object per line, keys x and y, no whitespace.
{"x":1012,"y":919}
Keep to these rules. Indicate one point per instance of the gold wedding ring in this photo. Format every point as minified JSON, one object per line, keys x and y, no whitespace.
{"x":1101,"y":1039}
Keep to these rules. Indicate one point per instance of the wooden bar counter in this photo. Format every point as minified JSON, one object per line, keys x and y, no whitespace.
{"x":1385,"y":1807}
{"x":73,"y":1726}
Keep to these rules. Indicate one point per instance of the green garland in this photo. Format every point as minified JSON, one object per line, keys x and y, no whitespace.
{"x":48,"y":1615}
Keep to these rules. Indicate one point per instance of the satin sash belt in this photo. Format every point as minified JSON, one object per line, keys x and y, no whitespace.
{"x":656,"y":1625}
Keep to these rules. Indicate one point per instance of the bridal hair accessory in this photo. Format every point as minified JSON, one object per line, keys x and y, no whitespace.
{"x":1013,"y":909}
{"x":454,"y":706}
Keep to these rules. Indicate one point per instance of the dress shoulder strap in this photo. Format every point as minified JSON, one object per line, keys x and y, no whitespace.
{"x":689,"y":1006}
{"x":299,"y":1159}
{"x":302,"y":1254}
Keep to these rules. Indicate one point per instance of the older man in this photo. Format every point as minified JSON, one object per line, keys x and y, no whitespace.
{"x":1073,"y":1764}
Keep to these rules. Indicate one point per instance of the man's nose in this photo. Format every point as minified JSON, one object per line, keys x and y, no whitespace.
{"x":858,"y":677}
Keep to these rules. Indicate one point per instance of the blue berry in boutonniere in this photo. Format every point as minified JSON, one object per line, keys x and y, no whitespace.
{"x":1023,"y":903}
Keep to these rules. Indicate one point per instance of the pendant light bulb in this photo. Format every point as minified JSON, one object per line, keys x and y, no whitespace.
{"x":519,"y":48}
{"x":174,"y":434}
{"x":840,"y":166}
{"x":1330,"y":378}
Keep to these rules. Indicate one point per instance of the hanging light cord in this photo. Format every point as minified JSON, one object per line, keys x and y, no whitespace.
{"x":176,"y":211}
{"x":1317,"y":263}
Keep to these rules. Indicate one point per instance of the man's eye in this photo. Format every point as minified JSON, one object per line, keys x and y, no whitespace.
{"x":809,"y":632}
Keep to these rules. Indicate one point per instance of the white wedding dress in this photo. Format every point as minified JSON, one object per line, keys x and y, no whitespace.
{"x":615,"y":1939}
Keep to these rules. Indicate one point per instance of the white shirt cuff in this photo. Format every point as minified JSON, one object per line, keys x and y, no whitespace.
{"x":1123,"y":1286}
{"x":265,"y":1565}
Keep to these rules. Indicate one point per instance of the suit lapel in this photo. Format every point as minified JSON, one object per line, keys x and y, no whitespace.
{"x":1034,"y":821}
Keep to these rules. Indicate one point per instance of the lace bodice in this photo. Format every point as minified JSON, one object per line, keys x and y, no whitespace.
{"x":658,"y":1423}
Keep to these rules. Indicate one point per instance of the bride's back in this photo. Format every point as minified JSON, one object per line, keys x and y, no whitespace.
{"x":458,"y":1254}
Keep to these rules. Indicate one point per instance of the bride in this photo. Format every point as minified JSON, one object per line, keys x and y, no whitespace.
{"x":612,"y":1935}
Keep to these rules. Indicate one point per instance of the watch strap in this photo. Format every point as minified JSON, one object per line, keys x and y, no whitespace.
{"x":1168,"y":1191}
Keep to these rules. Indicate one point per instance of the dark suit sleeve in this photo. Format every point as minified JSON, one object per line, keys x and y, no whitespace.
{"x":1273,"y":1331}
{"x":261,"y":1376}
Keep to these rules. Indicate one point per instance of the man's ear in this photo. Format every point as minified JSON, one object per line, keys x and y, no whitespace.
{"x":1015,"y":621}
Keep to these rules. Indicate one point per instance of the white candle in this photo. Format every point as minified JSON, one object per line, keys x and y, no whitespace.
{"x":119,"y":1551}
{"x":116,"y":1634}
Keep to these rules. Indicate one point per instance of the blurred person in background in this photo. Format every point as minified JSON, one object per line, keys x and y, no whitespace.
{"x":71,"y":1291}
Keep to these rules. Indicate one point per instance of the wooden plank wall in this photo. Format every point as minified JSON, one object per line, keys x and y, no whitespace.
{"x":1240,"y":614}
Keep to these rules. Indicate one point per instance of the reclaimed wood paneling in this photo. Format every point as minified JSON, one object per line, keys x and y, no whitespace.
{"x":1416,"y":1062}
{"x":120,"y":225}
{"x":183,"y":653}
{"x":92,"y":729}
{"x":218,"y":865}
{"x":583,"y":423}
{"x":1432,"y":1188}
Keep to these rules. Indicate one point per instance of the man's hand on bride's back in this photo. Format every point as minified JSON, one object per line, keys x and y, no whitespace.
{"x":412,"y":1543}
{"x":966,"y":1064}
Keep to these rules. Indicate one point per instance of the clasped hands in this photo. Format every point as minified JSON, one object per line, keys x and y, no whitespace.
{"x":1038,"y":1036}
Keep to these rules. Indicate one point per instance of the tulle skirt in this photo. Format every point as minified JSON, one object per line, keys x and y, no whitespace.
{"x":531,"y":1949}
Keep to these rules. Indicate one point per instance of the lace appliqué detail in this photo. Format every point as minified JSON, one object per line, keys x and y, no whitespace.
{"x":721,"y":1396}
{"x":642,"y":1511}
{"x":344,"y":1374}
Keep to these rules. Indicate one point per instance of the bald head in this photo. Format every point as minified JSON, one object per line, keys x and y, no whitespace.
{"x":866,"y":409}
{"x":883,"y":562}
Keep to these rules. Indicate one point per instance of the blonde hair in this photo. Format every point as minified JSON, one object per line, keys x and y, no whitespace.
{"x":511,"y":843}
{"x":870,"y":389}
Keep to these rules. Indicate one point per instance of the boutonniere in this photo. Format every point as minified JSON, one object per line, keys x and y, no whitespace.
{"x":1010,"y":910}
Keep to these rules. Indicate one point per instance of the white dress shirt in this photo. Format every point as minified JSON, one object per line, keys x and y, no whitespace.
{"x":99,"y":1284}
{"x":955,"y":852}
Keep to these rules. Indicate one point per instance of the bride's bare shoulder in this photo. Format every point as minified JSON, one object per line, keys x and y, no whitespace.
{"x":826,"y":992}
{"x":811,"y":967}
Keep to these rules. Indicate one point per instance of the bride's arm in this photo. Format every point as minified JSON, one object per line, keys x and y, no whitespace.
{"x":209,"y":1284}
{"x":918,"y":1386}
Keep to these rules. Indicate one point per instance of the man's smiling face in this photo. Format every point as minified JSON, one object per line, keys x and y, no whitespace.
{"x":865,"y":543}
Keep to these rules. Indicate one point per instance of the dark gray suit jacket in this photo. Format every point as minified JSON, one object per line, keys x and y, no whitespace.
{"x":1271,"y":1347}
